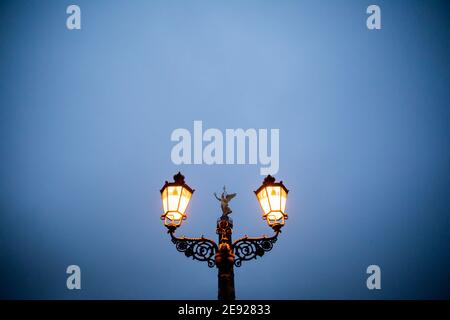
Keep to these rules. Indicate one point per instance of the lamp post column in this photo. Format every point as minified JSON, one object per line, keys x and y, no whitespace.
{"x":225,"y":259}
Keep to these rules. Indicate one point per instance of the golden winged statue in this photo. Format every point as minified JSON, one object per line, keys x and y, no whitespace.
{"x":224,"y":199}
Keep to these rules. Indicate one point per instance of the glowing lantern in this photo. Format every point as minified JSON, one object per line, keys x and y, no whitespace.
{"x":272,"y":197}
{"x":175,"y":198}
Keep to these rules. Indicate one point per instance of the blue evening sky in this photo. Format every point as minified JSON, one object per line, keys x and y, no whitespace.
{"x":86,"y":118}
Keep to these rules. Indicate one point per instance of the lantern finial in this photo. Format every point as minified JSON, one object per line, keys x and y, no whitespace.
{"x":178,"y":178}
{"x":269,"y":180}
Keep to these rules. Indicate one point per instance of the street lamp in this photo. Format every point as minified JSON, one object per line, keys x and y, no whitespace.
{"x":272,"y":197}
{"x":175,"y":197}
{"x":225,"y":254}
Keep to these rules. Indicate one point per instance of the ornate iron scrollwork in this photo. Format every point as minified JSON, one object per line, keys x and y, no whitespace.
{"x":247,"y":248}
{"x":204,"y":249}
{"x":201,"y":249}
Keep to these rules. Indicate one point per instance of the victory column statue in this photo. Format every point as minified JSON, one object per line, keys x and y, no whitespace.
{"x":224,"y":199}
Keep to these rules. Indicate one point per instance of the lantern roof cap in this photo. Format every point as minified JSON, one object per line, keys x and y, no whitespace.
{"x":178,"y":181}
{"x":178,"y":178}
{"x":270,"y":181}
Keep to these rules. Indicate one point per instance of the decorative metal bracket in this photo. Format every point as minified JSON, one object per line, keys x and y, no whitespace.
{"x":244,"y":249}
{"x":247,"y":248}
{"x":201,"y":249}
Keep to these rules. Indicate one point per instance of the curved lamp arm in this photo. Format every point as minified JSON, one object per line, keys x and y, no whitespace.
{"x":202,"y":249}
{"x":247,"y":248}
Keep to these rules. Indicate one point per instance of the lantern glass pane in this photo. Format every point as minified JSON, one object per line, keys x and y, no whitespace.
{"x":174,"y":197}
{"x":184,"y":201}
{"x":263,"y":200}
{"x":274,"y":197}
{"x":283,"y":200}
{"x":164,"y":200}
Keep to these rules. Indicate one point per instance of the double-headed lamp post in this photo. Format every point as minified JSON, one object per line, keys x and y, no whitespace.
{"x":225,"y":254}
